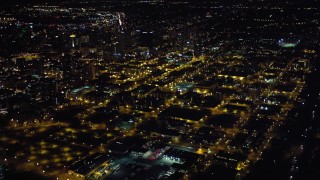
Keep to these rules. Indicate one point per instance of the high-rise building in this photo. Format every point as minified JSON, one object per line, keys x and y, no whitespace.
{"x":84,"y":39}
{"x":74,"y":40}
{"x":89,"y":70}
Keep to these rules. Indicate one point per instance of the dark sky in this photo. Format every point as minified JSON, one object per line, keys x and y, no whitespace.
{"x":10,"y":2}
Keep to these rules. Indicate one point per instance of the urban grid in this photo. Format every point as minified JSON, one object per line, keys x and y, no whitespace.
{"x":160,"y":89}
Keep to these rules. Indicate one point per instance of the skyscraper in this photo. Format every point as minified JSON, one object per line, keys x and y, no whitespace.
{"x":89,"y":70}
